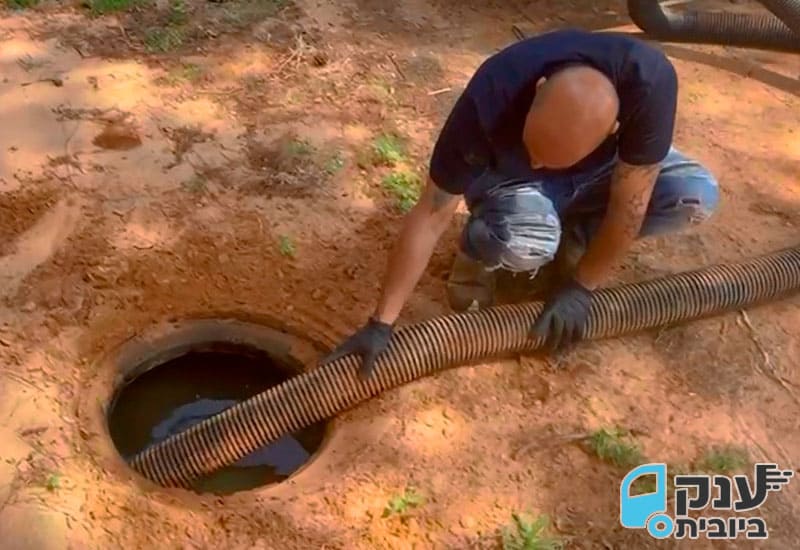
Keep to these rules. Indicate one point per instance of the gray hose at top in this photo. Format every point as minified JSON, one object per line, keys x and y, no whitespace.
{"x":729,"y":29}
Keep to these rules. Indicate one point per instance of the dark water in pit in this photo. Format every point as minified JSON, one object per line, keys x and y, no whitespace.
{"x":171,"y":397}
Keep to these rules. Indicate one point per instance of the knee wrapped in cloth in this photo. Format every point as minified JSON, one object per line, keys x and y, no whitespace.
{"x":512,"y":226}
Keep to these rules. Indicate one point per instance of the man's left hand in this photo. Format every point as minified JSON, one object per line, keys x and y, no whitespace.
{"x":563,"y":319}
{"x":367,"y":343}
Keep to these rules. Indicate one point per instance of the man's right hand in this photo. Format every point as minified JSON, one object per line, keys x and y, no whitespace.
{"x":368,"y":343}
{"x":422,"y":227}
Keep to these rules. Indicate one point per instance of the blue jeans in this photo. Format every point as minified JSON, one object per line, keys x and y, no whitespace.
{"x":685,"y":194}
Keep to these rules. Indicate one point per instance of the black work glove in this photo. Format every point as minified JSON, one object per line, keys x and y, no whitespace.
{"x":369,"y":342}
{"x":563,"y":319}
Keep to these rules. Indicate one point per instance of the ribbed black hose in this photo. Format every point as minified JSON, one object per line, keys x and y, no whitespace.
{"x":728,"y":29}
{"x":787,"y":11}
{"x":422,"y":349}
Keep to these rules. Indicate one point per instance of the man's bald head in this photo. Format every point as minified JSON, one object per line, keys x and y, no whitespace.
{"x":573,"y":112}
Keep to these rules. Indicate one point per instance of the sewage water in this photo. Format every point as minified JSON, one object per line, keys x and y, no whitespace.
{"x":179,"y":393}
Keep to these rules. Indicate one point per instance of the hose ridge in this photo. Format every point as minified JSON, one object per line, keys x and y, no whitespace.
{"x":787,"y":11}
{"x":728,"y":29}
{"x":419,"y":350}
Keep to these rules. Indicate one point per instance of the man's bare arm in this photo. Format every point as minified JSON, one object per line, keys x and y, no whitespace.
{"x":422,"y":228}
{"x":631,"y":189}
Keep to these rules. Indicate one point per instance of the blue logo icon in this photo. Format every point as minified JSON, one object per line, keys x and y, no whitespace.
{"x":648,"y":510}
{"x":697,"y":492}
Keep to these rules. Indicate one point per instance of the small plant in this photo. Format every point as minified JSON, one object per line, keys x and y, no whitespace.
{"x":188,"y":72}
{"x":21,"y":4}
{"x":724,"y":460}
{"x":335,"y":164}
{"x":53,"y":482}
{"x":299,"y":148}
{"x":100,"y":7}
{"x":195,"y":184}
{"x":615,"y":446}
{"x":405,"y":187}
{"x":177,"y":13}
{"x":400,"y":504}
{"x":388,"y":150}
{"x":252,"y":10}
{"x":286,"y":246}
{"x":163,"y":39}
{"x":527,"y":533}
{"x":191,"y":72}
{"x":171,"y":36}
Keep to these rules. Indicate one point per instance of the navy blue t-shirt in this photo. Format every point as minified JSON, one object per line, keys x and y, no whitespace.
{"x":484,"y":129}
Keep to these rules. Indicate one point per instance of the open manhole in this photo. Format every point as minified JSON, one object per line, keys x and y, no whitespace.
{"x":172,"y":395}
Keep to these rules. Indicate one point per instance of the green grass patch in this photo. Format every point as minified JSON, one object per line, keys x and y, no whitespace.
{"x":102,"y":7}
{"x":299,"y":148}
{"x":335,"y":164}
{"x":191,"y":72}
{"x":53,"y":482}
{"x":388,"y":150}
{"x":172,"y":35}
{"x":405,"y":187}
{"x":196,"y":184}
{"x":616,"y":447}
{"x":163,"y":39}
{"x":248,"y":11}
{"x":286,"y":246}
{"x":21,"y":4}
{"x":400,"y":505}
{"x":188,"y":72}
{"x":178,"y":13}
{"x":727,"y":459}
{"x":528,"y":533}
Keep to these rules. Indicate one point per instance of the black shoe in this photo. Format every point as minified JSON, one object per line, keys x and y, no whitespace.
{"x":470,"y":285}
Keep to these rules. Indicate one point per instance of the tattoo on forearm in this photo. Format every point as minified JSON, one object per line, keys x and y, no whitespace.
{"x":636,"y":205}
{"x":637,"y":182}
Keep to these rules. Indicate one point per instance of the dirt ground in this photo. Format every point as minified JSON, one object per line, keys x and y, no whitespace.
{"x":193,"y":159}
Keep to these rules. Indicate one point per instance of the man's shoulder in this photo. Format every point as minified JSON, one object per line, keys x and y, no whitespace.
{"x":567,"y":40}
{"x":547,"y":44}
{"x":644,"y":68}
{"x":647,"y":54}
{"x":611,"y":51}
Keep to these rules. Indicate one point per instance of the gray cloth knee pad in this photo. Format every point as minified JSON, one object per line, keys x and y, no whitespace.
{"x":513,"y":226}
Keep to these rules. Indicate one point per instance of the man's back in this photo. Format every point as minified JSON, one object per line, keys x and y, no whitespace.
{"x":503,"y":88}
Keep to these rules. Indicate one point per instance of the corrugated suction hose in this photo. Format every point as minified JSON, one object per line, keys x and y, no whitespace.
{"x":744,"y":30}
{"x":422,"y":349}
{"x":787,"y":11}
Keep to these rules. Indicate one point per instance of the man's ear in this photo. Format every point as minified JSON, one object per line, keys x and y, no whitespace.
{"x":615,"y":128}
{"x":541,"y":81}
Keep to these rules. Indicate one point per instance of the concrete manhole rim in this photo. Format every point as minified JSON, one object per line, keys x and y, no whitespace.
{"x":168,"y":340}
